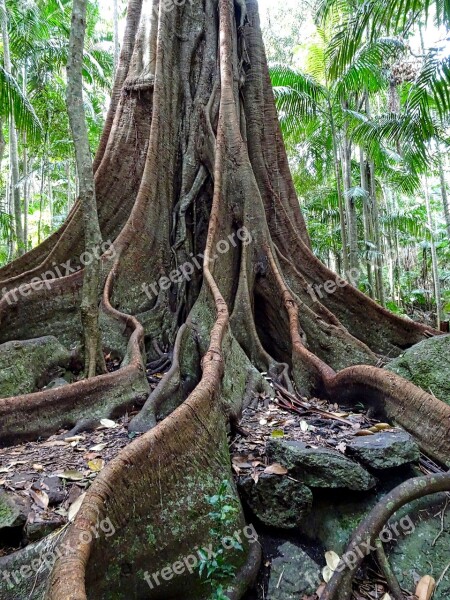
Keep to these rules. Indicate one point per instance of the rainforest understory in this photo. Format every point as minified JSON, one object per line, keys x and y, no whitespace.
{"x":191,"y":157}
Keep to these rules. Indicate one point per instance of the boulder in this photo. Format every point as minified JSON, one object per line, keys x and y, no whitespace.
{"x":27,"y":365}
{"x":384,"y":450}
{"x":13,"y":510}
{"x":293,"y":574}
{"x":427,"y":364}
{"x":275,"y":500}
{"x":319,"y":467}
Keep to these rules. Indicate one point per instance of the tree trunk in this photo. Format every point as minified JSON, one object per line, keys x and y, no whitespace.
{"x":210,"y":259}
{"x":2,"y":143}
{"x":434,"y":260}
{"x":13,"y":143}
{"x":444,"y":193}
{"x":92,"y":234}
{"x":351,"y":217}
{"x":116,"y":34}
{"x":367,"y":213}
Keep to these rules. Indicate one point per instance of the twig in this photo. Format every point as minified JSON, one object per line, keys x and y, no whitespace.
{"x":442,"y":522}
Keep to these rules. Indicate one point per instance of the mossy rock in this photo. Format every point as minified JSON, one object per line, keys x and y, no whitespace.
{"x":427,"y":365}
{"x":28,"y":365}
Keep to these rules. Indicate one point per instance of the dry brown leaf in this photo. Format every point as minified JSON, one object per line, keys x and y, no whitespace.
{"x":364,"y":432}
{"x":75,"y":507}
{"x":425,"y":588}
{"x":276,"y":469}
{"x":98,"y":447}
{"x":40,"y":498}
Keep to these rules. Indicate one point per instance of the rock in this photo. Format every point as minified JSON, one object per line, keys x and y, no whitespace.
{"x":293,"y":574}
{"x":52,"y":487}
{"x":276,"y":500}
{"x":38,"y":528}
{"x":319,"y":467}
{"x":427,"y":364}
{"x":27,"y":365}
{"x":384,"y":450}
{"x":57,"y":383}
{"x":13,"y":510}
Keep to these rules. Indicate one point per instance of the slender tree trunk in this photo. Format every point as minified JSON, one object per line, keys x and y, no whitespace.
{"x":13,"y":143}
{"x":92,"y":234}
{"x":116,"y":33}
{"x":345,"y":261}
{"x":2,"y":143}
{"x":444,"y":192}
{"x":25,"y":170}
{"x":367,"y":213}
{"x":434,"y":261}
{"x":352,"y":223}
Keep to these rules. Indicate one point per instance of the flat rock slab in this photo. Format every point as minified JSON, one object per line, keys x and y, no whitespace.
{"x":319,"y":467}
{"x":26,"y":365}
{"x":384,"y":450}
{"x":276,"y":500}
{"x":293,"y":574}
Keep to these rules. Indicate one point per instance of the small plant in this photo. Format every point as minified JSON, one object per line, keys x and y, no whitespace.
{"x":216,"y":568}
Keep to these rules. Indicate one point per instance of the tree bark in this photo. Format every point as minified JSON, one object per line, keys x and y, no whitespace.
{"x":92,"y":233}
{"x":211,"y":259}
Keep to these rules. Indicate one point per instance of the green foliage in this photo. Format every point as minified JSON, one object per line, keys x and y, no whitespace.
{"x":217,"y":568}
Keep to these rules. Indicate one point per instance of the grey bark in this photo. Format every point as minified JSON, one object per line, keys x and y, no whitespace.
{"x":92,"y":233}
{"x":352,"y":223}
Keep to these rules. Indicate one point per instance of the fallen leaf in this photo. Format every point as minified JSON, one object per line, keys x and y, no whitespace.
{"x":38,"y":467}
{"x":364,"y":432}
{"x":276,"y":469}
{"x":304,"y":426}
{"x":108,"y":423}
{"x":98,"y":447}
{"x":320,"y":590}
{"x":263,"y":422}
{"x":327,"y":574}
{"x":332,"y":559}
{"x":342,"y":447}
{"x":75,"y":507}
{"x":40,"y":498}
{"x":71,"y":475}
{"x":386,"y":597}
{"x":74,"y":438}
{"x":97,"y":464}
{"x":277,"y":433}
{"x":425,"y":588}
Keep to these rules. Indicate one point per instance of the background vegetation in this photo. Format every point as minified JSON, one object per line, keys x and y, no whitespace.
{"x":363,"y":94}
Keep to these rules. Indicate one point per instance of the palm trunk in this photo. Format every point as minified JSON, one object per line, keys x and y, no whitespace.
{"x":25,"y":171}
{"x":13,"y":144}
{"x":367,"y":213}
{"x":434,"y":262}
{"x":92,"y":233}
{"x":116,"y":34}
{"x":444,"y":193}
{"x":2,"y":143}
{"x":345,"y":261}
{"x":352,"y":223}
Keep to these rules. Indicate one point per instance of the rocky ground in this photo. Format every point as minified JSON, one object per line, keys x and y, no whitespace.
{"x":42,"y":484}
{"x":308,"y":472}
